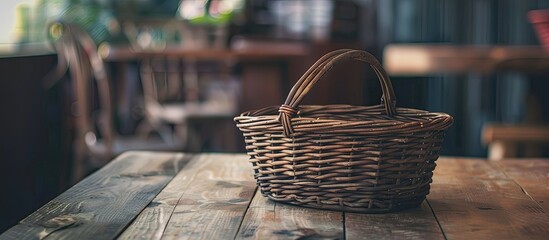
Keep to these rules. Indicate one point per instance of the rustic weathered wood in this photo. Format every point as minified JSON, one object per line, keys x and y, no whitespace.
{"x":207,"y":200}
{"x":103,"y":204}
{"x":416,"y":223}
{"x":213,"y":196}
{"x":267,"y":219}
{"x":532,"y":176}
{"x":152,"y":221}
{"x":473,"y":200}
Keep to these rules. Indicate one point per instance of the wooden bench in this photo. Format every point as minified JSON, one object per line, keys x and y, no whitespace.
{"x":503,"y":140}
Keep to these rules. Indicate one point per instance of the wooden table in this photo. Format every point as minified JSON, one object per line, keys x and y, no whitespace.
{"x":213,"y":196}
{"x":432,"y":59}
{"x":241,"y":50}
{"x":266,"y":69}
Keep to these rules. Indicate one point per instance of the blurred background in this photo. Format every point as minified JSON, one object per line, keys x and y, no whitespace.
{"x":83,"y":80}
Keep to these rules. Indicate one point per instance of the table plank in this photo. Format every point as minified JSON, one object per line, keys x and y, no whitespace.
{"x":152,"y":221}
{"x":473,"y":200}
{"x":266,"y":219}
{"x":532,"y":176}
{"x":214,"y":196}
{"x":207,"y":204}
{"x":103,"y":204}
{"x":416,"y":223}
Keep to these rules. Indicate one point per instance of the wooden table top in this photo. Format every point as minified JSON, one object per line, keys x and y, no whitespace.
{"x":241,"y":50}
{"x":213,"y":196}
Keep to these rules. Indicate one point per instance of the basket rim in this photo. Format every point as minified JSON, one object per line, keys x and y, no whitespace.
{"x":266,"y":120}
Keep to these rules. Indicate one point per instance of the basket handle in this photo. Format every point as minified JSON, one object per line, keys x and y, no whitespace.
{"x":317,"y":71}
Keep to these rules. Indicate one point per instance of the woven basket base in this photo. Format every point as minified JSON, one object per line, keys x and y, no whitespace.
{"x":407,"y":205}
{"x":382,"y":206}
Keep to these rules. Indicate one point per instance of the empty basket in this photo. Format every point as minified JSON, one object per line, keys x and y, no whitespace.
{"x":340,"y":157}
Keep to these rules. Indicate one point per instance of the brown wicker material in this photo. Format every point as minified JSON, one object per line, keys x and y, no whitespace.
{"x":340,"y":157}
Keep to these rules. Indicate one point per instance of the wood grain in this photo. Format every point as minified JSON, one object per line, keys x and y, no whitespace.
{"x":103,"y":204}
{"x":152,"y":221}
{"x":532,"y":176}
{"x":213,"y":196}
{"x":473,"y":200}
{"x":206,"y":200}
{"x":266,"y":219}
{"x":416,"y":223}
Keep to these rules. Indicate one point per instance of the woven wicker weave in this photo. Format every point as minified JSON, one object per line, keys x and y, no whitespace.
{"x":340,"y":157}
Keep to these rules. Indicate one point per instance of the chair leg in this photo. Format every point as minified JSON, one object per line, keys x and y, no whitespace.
{"x":533,"y":150}
{"x":144,"y":129}
{"x":79,"y":166}
{"x":501,"y":150}
{"x":182,"y":134}
{"x":190,"y":137}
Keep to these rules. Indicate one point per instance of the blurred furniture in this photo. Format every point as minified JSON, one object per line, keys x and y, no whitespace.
{"x":176,"y":95}
{"x":34,"y":146}
{"x":504,"y":140}
{"x":539,"y":18}
{"x":214,"y":196}
{"x":428,"y":59}
{"x":263,"y":68}
{"x":96,"y":140}
{"x":264,"y":64}
{"x":441,"y":59}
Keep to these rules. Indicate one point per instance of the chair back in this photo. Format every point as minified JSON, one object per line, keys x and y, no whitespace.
{"x":163,"y":79}
{"x":183,"y":79}
{"x":90,"y":84}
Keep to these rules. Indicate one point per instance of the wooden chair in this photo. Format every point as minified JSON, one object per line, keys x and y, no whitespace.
{"x":176,"y":101}
{"x":96,"y":140}
{"x":504,"y":141}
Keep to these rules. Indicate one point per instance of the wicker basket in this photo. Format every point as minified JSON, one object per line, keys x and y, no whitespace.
{"x":368,"y":159}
